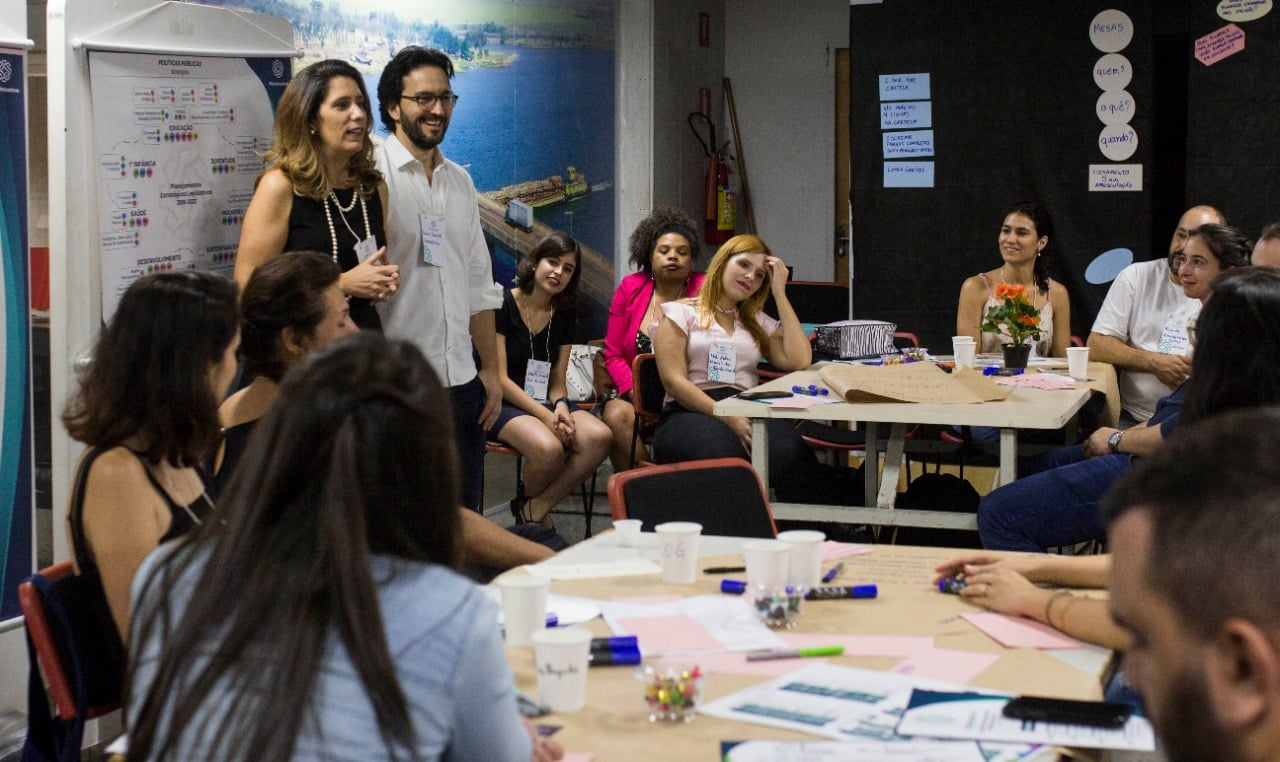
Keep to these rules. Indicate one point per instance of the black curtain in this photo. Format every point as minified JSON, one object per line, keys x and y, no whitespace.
{"x":1013,"y":100}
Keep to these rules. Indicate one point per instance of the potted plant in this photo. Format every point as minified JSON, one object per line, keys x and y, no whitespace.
{"x":1015,"y":319}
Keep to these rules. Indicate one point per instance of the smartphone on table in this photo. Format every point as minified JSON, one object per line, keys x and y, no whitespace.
{"x":1098,"y":714}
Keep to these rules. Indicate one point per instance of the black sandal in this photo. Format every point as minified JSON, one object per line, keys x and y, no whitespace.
{"x":518,"y":503}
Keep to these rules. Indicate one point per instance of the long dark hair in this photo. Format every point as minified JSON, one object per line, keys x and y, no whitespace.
{"x":555,"y":245}
{"x":284,"y":292}
{"x":357,"y":458}
{"x":1039,"y":216}
{"x":148,"y":376}
{"x":1237,"y":358}
{"x":294,"y":142}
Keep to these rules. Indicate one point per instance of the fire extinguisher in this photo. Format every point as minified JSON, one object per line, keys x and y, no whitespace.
{"x":721,"y":204}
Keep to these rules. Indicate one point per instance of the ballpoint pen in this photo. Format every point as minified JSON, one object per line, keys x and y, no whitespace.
{"x":794,"y":653}
{"x":833,"y":572}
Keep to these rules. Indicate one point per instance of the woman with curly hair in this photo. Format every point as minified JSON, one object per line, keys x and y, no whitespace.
{"x":663,"y":247}
{"x":320,"y":191}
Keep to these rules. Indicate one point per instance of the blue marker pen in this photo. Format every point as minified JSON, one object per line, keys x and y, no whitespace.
{"x":613,"y":657}
{"x":617,"y":641}
{"x":733,"y":586}
{"x":833,"y":572}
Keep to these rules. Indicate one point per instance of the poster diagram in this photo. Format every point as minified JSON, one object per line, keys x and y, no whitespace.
{"x":179,"y":143}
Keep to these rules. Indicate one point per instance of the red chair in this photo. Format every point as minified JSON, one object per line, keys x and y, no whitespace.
{"x":52,"y":644}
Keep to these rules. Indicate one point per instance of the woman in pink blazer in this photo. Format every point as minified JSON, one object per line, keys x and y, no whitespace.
{"x":663,"y":247}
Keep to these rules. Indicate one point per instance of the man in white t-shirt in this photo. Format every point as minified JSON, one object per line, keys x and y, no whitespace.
{"x":1142,"y":325}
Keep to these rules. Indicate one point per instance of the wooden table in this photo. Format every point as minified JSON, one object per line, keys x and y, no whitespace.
{"x":1023,"y":409}
{"x":614,"y":724}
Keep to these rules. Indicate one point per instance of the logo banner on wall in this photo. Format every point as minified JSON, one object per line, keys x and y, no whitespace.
{"x":180,"y":141}
{"x":15,"y":395}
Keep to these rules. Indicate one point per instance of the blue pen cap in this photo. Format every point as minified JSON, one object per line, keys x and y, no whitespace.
{"x":863,"y":591}
{"x":733,"y":586}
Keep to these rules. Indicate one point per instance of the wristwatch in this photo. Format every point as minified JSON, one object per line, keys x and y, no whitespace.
{"x":1113,"y":442}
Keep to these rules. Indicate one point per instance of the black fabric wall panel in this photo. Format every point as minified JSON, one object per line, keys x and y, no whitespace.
{"x":1013,"y":101}
{"x":1233,"y":122}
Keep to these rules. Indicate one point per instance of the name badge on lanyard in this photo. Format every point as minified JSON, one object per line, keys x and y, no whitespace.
{"x":366,"y":248}
{"x":433,"y":229}
{"x":537,"y":377}
{"x":722,"y":362}
{"x":1174,"y":339}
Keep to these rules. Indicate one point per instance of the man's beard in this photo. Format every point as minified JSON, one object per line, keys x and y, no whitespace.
{"x":1188,"y":728}
{"x":415,"y":135}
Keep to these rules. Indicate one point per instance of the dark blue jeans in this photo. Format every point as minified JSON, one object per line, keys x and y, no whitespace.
{"x":1057,"y":504}
{"x":467,"y":401}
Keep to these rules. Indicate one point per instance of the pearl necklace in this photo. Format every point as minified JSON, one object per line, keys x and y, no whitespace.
{"x":356,"y":195}
{"x":724,"y":311}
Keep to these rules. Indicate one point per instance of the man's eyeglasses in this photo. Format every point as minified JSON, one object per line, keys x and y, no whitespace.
{"x":426,"y":100}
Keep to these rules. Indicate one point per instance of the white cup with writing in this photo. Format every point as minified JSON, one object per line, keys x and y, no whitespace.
{"x":678,"y":550}
{"x":1078,"y":362}
{"x":561,"y":657}
{"x":524,"y":606}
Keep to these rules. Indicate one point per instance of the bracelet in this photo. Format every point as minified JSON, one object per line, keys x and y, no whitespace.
{"x":565,"y":400}
{"x":1048,"y":606}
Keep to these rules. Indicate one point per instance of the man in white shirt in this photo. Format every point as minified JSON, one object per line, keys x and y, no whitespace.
{"x":447,"y":295}
{"x":1142,"y":325}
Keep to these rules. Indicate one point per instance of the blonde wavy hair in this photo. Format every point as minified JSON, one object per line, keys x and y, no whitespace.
{"x":295,"y":148}
{"x":713,"y":287}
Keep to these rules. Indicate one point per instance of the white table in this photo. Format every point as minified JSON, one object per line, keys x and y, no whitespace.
{"x":1023,"y":409}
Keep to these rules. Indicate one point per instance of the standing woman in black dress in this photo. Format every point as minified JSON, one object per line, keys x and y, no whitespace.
{"x":320,"y":191}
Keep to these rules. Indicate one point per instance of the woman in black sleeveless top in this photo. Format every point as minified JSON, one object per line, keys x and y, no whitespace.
{"x":321,"y":191}
{"x":147,"y":409}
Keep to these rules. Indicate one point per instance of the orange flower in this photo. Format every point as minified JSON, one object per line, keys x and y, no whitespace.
{"x":1029,"y":320}
{"x":1002,"y":290}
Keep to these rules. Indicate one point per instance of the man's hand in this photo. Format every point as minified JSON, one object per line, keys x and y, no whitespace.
{"x":1096,"y":444}
{"x":1170,"y":369}
{"x":492,"y":398}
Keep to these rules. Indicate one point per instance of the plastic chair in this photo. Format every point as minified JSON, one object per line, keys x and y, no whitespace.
{"x":647,"y":396}
{"x":588,"y":493}
{"x":722,"y":494}
{"x":51,"y":644}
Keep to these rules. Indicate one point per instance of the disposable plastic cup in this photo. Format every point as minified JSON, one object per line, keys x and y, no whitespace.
{"x":1078,"y":361}
{"x":524,"y":606}
{"x":964,"y":349}
{"x":678,"y":548}
{"x":768,"y":563}
{"x":560,"y":656}
{"x":805,"y":558}
{"x":628,"y":532}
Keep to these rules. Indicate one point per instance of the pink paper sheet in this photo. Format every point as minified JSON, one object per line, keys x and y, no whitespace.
{"x":578,"y":756}
{"x":942,"y":664}
{"x":1019,"y":632}
{"x":678,"y":632}
{"x":831,"y":550}
{"x":648,"y":600}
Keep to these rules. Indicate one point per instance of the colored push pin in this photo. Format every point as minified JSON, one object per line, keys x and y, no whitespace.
{"x":951,"y":585}
{"x":813,"y":390}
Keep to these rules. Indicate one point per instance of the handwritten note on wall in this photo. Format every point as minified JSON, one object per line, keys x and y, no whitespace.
{"x":905,"y":111}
